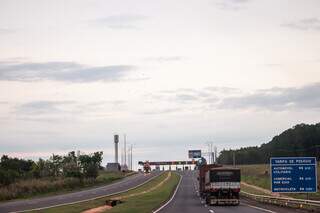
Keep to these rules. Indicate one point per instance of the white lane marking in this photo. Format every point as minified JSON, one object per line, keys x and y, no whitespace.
{"x":211,"y":211}
{"x":174,"y":194}
{"x":81,"y":201}
{"x":262,"y":209}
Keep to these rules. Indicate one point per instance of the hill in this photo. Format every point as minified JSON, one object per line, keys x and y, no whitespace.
{"x":300,"y":140}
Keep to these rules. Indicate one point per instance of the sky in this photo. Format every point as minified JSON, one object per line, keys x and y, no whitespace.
{"x":171,"y":75}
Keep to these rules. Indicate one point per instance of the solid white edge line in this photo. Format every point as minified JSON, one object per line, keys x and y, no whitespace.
{"x":262,"y":209}
{"x":81,"y":201}
{"x":174,"y":194}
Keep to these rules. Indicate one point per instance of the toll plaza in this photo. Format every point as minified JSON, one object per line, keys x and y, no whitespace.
{"x":170,"y":165}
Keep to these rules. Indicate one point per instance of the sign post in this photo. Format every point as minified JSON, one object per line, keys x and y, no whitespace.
{"x":293,"y":174}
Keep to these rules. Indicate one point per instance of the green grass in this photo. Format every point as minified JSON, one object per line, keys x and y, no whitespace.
{"x":252,"y":190}
{"x":259,"y":175}
{"x":142,"y":203}
{"x":45,"y":187}
{"x":256,"y":175}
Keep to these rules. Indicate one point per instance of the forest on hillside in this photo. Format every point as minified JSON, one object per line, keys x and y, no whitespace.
{"x":302,"y":140}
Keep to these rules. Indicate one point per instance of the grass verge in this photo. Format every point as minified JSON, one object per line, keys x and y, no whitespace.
{"x":45,"y":187}
{"x":259,"y":175}
{"x":141,"y":203}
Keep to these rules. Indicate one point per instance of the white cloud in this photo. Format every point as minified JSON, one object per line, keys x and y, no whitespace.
{"x":61,"y":71}
{"x":123,"y":21}
{"x":304,"y":24}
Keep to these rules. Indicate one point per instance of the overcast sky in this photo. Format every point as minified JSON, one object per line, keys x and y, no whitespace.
{"x":172,"y":75}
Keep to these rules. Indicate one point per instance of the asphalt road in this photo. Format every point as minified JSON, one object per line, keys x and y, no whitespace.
{"x":187,"y":200}
{"x":124,"y":184}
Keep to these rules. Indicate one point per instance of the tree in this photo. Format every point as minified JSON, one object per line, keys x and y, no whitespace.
{"x":70,"y":166}
{"x":300,"y":140}
{"x":56,"y":165}
{"x":90,"y":164}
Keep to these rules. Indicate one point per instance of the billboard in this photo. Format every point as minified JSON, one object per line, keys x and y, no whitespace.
{"x":293,"y":174}
{"x":194,"y":153}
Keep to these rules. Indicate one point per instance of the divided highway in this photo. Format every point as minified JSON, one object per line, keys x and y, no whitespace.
{"x":186,"y":200}
{"x":126,"y":183}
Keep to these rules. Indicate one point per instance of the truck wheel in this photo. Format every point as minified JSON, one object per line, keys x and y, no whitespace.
{"x":207,"y":201}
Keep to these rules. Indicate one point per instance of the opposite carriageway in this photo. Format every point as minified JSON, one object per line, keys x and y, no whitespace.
{"x":79,"y":196}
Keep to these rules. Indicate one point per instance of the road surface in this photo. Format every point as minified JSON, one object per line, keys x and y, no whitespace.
{"x":186,"y":200}
{"x":126,"y":183}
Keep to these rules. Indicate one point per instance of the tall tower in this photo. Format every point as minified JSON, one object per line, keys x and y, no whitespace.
{"x":116,"y":141}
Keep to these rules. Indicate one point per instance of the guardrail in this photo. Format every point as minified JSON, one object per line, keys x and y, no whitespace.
{"x":284,"y":201}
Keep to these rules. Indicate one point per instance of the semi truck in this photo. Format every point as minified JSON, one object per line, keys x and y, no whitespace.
{"x":219,"y":185}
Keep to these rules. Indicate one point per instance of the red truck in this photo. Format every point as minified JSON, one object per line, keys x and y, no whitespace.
{"x":146,"y":167}
{"x":219,"y":185}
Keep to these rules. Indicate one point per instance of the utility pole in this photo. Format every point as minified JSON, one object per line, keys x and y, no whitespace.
{"x":234,"y":158}
{"x":131,"y":158}
{"x":128,"y":159}
{"x":210,"y":152}
{"x":125,"y":148}
{"x":209,"y":155}
{"x":215,"y":154}
{"x":121,"y":155}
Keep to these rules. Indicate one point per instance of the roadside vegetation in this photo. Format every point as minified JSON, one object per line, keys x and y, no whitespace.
{"x":302,"y":140}
{"x":259,"y":175}
{"x":143,"y":199}
{"x":21,"y":178}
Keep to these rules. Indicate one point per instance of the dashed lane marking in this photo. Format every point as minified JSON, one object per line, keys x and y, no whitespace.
{"x":261,"y":209}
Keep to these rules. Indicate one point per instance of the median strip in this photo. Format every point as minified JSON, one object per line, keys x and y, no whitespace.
{"x":145,"y":198}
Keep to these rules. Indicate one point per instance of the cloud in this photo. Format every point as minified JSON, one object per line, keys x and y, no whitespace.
{"x":61,"y":71}
{"x":223,"y":90}
{"x":162,"y":111}
{"x":120,"y":21}
{"x":277,"y":99}
{"x":273,"y":65}
{"x":165,"y":59}
{"x":274,"y":99}
{"x":230,"y":4}
{"x":42,"y":107}
{"x":4,"y":31}
{"x":187,"y":95}
{"x":62,"y":111}
{"x":304,"y":24}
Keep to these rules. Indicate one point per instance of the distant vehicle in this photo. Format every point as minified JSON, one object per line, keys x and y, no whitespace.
{"x":219,"y":185}
{"x":146,"y":167}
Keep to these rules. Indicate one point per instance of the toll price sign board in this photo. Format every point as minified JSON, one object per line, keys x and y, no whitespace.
{"x":194,"y":153}
{"x":293,"y":174}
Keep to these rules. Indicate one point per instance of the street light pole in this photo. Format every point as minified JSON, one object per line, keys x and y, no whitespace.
{"x":234,"y":158}
{"x":125,"y":149}
{"x":131,"y":158}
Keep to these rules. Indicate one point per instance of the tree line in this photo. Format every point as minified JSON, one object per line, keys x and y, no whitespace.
{"x":70,"y":165}
{"x":302,"y":140}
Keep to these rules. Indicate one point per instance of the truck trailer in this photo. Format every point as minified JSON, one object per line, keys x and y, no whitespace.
{"x":219,"y":185}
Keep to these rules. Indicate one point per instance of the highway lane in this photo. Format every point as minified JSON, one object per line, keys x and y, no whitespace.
{"x":187,"y":200}
{"x":124,"y":184}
